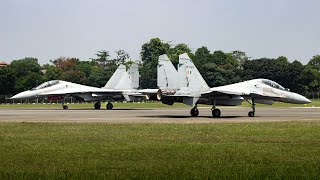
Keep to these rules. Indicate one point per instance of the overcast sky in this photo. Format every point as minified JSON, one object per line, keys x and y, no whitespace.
{"x":48,"y":29}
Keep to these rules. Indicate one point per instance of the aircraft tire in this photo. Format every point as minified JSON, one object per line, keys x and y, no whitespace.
{"x":194,"y":112}
{"x":65,"y":107}
{"x":97,"y":105}
{"x":109,"y":106}
{"x":251,"y":114}
{"x":216,"y":113}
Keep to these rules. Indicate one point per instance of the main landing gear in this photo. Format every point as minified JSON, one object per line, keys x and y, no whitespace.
{"x":64,"y":106}
{"x":97,"y":105}
{"x":194,"y":111}
{"x":109,"y":106}
{"x":215,"y":112}
{"x":252,"y":113}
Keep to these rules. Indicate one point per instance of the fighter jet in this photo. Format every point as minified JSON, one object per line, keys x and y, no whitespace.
{"x":193,"y":90}
{"x":122,"y":85}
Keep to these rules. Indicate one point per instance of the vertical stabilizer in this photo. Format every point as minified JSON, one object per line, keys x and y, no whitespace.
{"x":124,"y":83}
{"x":115,"y":78}
{"x":133,"y":73}
{"x":189,"y":75}
{"x":166,"y":73}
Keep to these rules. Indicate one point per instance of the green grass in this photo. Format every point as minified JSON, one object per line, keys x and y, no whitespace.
{"x":160,"y":151}
{"x":315,"y":103}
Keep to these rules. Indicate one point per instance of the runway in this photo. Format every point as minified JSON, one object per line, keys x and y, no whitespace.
{"x":168,"y":115}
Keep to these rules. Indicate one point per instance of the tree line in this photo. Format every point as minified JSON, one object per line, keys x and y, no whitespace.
{"x":217,"y":67}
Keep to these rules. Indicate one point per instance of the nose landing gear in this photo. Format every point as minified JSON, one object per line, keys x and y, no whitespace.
{"x":252,"y":113}
{"x":64,"y":106}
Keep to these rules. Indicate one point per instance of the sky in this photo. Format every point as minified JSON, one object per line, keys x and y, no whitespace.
{"x":49,"y":29}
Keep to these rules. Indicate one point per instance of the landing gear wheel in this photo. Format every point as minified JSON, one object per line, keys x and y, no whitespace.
{"x":109,"y":106}
{"x":253,"y":106}
{"x":251,"y":114}
{"x":65,"y":107}
{"x":97,"y":105}
{"x":194,"y":112}
{"x":216,"y":113}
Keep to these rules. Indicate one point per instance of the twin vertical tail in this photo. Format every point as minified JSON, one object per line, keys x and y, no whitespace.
{"x":134,"y":75}
{"x":166,"y":73}
{"x":114,"y":80}
{"x":166,"y":77}
{"x":124,"y":80}
{"x":189,"y":76}
{"x":184,"y":85}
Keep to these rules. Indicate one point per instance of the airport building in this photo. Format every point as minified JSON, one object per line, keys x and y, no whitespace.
{"x":3,"y":64}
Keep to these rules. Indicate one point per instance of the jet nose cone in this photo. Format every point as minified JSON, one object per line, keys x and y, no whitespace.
{"x":23,"y":95}
{"x":303,"y":100}
{"x":307,"y":101}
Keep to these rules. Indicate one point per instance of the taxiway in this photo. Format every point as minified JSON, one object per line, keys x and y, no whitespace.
{"x":167,"y":115}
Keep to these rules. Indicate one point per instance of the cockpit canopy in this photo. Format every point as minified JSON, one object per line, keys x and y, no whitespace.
{"x":274,"y":84}
{"x":46,"y":84}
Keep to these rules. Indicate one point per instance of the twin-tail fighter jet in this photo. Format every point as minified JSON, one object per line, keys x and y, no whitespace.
{"x":188,"y":86}
{"x":122,"y":85}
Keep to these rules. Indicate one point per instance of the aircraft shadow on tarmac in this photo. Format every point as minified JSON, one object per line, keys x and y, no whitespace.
{"x":181,"y":117}
{"x":46,"y":109}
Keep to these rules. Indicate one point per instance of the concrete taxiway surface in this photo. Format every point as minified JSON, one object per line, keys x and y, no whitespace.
{"x":169,"y":115}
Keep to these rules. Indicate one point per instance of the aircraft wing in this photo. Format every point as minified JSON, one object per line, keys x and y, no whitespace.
{"x":224,"y":92}
{"x":83,"y":91}
{"x":241,"y":92}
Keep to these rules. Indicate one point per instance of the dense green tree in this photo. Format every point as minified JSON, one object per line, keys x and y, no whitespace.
{"x":175,"y":51}
{"x":27,"y":73}
{"x":121,"y":57}
{"x":98,"y":76}
{"x":219,"y":58}
{"x":51,"y":72}
{"x":202,"y":56}
{"x":7,"y":80}
{"x":151,"y":50}
{"x":311,"y":79}
{"x":66,"y":64}
{"x":85,"y":68}
{"x":74,"y":76}
{"x":273,"y":69}
{"x":149,"y":55}
{"x":314,"y":63}
{"x":24,"y":66}
{"x":240,"y":57}
{"x":217,"y":76}
{"x":231,"y":62}
{"x":293,"y":79}
{"x":103,"y":58}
